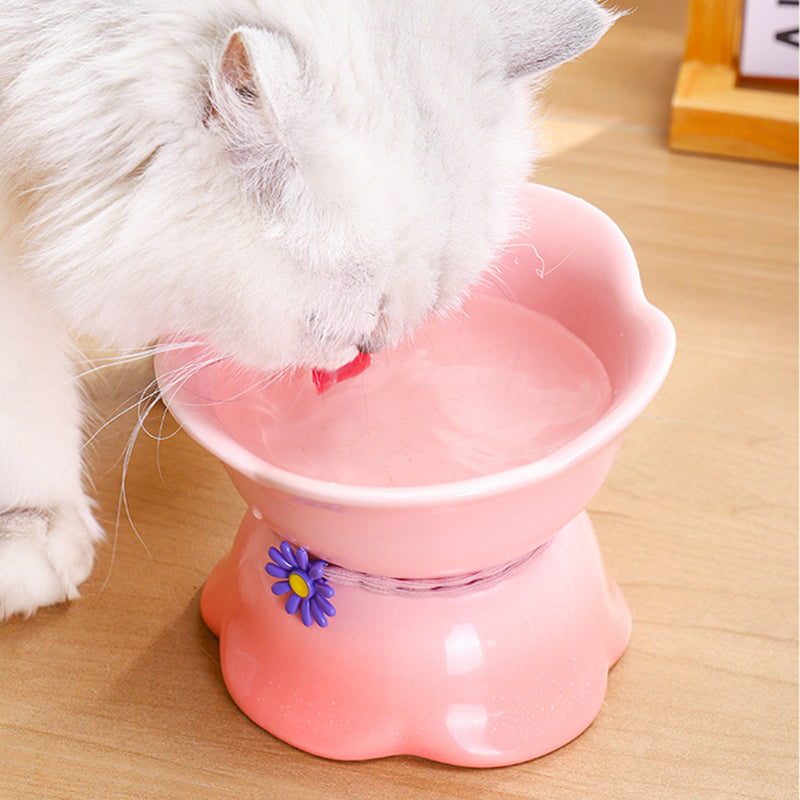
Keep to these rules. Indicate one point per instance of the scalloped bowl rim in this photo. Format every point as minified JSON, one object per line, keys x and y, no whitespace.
{"x":599,"y":435}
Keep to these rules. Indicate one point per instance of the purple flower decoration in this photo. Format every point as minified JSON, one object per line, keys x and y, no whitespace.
{"x":302,"y":579}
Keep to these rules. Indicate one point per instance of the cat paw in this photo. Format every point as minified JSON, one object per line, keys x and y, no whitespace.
{"x":44,"y":556}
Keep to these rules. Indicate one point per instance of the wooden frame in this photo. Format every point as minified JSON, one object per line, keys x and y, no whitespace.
{"x":711,"y":111}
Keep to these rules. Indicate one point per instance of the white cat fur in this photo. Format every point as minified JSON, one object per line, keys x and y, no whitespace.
{"x":289,"y":179}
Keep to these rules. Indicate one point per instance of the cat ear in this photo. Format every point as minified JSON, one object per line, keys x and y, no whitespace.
{"x":254,"y":102}
{"x":540,"y":34}
{"x":260,"y":70}
{"x":237,"y":70}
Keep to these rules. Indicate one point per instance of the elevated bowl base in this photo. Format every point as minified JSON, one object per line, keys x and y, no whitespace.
{"x":487,"y":676}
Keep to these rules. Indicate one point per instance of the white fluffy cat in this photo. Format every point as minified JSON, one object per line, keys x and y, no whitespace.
{"x":289,"y":179}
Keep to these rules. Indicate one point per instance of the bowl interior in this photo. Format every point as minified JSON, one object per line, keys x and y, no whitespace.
{"x":552,"y":357}
{"x":497,"y":387}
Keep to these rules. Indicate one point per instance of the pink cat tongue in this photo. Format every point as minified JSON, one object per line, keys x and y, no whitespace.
{"x":325,"y":379}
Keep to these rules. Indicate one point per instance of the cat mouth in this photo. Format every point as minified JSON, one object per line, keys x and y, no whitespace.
{"x":373,"y":343}
{"x":372,"y":338}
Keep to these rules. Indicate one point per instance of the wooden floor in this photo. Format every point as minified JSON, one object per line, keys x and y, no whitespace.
{"x":119,"y":695}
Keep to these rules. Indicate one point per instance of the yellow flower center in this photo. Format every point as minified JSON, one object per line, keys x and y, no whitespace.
{"x":299,"y":585}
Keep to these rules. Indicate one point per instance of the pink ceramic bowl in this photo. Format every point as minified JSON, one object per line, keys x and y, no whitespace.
{"x":431,"y":510}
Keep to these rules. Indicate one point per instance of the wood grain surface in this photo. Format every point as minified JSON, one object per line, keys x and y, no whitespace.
{"x":119,"y":694}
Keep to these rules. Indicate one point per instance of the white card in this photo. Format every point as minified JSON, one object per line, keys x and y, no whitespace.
{"x":769,"y":39}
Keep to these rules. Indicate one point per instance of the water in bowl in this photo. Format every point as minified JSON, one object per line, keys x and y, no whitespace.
{"x":498,"y":387}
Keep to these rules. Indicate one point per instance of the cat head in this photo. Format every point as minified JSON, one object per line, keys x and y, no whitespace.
{"x":381,"y":155}
{"x":288,"y":180}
